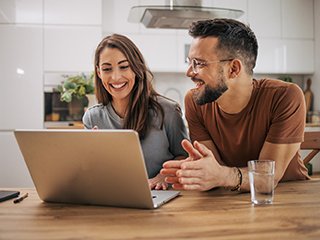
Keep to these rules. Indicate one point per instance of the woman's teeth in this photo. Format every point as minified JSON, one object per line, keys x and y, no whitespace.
{"x":117,"y":86}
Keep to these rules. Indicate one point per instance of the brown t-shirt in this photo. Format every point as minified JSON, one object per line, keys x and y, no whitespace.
{"x":275,"y":113}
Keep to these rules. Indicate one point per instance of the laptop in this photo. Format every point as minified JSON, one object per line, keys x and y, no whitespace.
{"x":95,"y":167}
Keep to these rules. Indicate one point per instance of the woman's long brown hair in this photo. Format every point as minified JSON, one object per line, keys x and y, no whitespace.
{"x":142,"y":97}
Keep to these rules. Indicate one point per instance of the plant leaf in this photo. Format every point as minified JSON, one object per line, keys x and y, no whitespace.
{"x":66,"y":97}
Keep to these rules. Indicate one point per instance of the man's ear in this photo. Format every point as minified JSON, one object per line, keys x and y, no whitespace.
{"x":235,"y":68}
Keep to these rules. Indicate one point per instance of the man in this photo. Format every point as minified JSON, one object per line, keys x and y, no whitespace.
{"x":232,"y":117}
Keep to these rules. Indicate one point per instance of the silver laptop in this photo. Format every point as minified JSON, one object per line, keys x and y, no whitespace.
{"x":98,"y":167}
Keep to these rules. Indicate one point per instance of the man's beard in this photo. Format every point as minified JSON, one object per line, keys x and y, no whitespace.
{"x":210,"y":94}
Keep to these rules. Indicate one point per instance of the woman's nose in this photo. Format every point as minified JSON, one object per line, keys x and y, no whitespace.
{"x":115,"y":74}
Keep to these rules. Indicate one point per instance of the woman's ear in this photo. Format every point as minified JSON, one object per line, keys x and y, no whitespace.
{"x":98,"y":72}
{"x":235,"y":68}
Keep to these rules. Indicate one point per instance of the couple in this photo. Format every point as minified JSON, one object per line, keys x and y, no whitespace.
{"x":232,"y":117}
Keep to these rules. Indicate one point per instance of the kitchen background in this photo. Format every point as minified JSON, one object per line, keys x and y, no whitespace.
{"x":41,"y":40}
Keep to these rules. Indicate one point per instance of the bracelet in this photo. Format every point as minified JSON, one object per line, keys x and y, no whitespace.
{"x":237,"y":188}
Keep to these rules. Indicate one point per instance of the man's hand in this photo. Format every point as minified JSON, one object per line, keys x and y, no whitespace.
{"x":170,"y":168}
{"x":200,"y":171}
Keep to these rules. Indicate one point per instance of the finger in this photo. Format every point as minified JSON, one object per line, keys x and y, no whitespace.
{"x":172,"y":180}
{"x":172,"y":164}
{"x":192,"y":187}
{"x":189,"y":173}
{"x":168,"y":172}
{"x":203,"y":150}
{"x":193,"y":153}
{"x":177,"y":186}
{"x":189,"y":181}
{"x":160,"y":186}
{"x":151,"y":186}
{"x":151,"y":183}
{"x":164,"y":186}
{"x":192,"y":165}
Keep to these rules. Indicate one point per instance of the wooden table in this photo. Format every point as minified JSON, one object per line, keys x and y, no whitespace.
{"x":217,"y":214}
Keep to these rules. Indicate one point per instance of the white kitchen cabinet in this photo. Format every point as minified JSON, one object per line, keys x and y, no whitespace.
{"x":264,"y":18}
{"x":297,"y":19}
{"x":270,"y":56}
{"x":285,"y":37}
{"x":21,"y":98}
{"x":233,"y":4}
{"x":298,"y":56}
{"x":281,"y":19}
{"x":70,"y":48}
{"x":72,"y":12}
{"x":72,"y":31}
{"x":286,"y":56}
{"x":115,"y":17}
{"x":21,"y":11}
{"x":160,"y":52}
{"x":13,"y":170}
{"x":183,"y":45}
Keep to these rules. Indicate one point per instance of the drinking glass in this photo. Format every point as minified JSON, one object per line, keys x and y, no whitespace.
{"x":261,"y":178}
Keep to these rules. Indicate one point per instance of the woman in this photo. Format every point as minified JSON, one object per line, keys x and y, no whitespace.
{"x":127,"y":100}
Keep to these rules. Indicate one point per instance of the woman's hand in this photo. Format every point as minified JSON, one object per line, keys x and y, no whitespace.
{"x":158,"y":182}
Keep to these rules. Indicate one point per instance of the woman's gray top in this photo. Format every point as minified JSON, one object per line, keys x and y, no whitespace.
{"x":158,"y":145}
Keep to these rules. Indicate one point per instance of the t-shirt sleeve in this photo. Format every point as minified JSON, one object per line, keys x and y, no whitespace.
{"x":289,"y":113}
{"x":86,"y":120}
{"x":176,"y":131}
{"x":197,"y":129}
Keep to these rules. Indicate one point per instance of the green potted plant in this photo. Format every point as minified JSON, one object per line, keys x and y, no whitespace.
{"x":286,"y":78}
{"x":74,"y":90}
{"x":76,"y":86}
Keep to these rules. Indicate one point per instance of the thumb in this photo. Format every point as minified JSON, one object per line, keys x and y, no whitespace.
{"x":203,"y":150}
{"x":193,"y":153}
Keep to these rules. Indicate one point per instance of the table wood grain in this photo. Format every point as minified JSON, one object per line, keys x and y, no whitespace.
{"x":216,"y":214}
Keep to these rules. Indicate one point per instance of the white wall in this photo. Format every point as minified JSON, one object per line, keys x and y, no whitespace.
{"x":38,"y":38}
{"x":316,"y":76}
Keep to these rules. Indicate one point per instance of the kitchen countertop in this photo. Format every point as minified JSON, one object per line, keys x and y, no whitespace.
{"x":63,"y":125}
{"x":312,"y":124}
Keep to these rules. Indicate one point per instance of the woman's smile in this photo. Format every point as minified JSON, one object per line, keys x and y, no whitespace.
{"x":118,"y":86}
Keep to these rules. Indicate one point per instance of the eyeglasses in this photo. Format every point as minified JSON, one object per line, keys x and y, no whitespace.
{"x":197,"y":65}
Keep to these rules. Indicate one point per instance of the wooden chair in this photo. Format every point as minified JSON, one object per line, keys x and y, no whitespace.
{"x":311,"y":142}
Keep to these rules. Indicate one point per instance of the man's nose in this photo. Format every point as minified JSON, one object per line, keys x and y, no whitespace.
{"x":189,"y":72}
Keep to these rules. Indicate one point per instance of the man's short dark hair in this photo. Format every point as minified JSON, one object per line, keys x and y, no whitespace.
{"x":235,"y":39}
